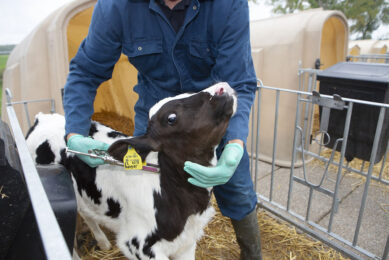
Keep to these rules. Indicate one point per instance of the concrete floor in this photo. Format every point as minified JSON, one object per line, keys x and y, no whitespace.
{"x":374,"y":230}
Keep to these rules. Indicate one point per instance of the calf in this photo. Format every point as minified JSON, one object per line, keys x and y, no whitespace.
{"x":154,"y":216}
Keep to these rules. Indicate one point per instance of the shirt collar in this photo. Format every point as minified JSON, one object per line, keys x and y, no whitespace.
{"x":181,"y":5}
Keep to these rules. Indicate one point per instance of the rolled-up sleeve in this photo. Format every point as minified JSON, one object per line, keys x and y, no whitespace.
{"x":92,"y":65}
{"x":235,"y":66}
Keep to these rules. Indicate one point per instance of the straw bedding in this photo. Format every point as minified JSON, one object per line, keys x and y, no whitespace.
{"x":279,"y":241}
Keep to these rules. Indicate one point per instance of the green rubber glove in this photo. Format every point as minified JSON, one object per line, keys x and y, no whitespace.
{"x":206,"y":177}
{"x":84,"y":144}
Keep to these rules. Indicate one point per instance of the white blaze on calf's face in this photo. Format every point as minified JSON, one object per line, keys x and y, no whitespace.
{"x":217,"y":89}
{"x":223,"y":88}
{"x":194,"y":121}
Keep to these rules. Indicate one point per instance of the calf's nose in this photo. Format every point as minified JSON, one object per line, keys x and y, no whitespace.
{"x":219,"y":91}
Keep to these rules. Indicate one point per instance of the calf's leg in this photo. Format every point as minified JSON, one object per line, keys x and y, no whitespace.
{"x":101,"y":238}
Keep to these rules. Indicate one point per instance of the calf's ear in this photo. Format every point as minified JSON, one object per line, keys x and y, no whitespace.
{"x":142,"y":144}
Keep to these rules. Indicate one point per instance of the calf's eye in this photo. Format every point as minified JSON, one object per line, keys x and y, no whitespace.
{"x":171,"y":119}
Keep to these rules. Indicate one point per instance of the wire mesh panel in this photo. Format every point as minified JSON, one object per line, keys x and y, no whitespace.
{"x":342,"y":203}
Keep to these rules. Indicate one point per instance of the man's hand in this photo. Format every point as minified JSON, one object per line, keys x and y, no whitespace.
{"x":83,"y":144}
{"x":206,"y":177}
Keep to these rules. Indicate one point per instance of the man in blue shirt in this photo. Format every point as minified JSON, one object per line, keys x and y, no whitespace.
{"x":177,"y":46}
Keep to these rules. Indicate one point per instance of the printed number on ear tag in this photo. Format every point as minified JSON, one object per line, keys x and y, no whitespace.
{"x":132,"y":160}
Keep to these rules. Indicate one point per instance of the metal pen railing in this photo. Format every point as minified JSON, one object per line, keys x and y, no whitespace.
{"x":52,"y":238}
{"x":26,"y":102}
{"x":306,"y":100}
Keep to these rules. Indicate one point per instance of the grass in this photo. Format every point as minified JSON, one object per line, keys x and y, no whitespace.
{"x":3,"y":62}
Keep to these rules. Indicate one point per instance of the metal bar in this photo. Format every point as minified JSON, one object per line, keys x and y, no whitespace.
{"x":52,"y":238}
{"x":357,"y":101}
{"x":310,"y":124}
{"x":325,"y":101}
{"x":252,"y":148}
{"x":306,"y":112}
{"x":318,"y":188}
{"x":299,"y":74}
{"x":258,"y":126}
{"x":325,"y":116}
{"x":312,"y":109}
{"x":363,"y":165}
{"x":30,"y":101}
{"x":309,"y":204}
{"x":310,"y":80}
{"x":303,"y":82}
{"x":340,"y":167}
{"x":370,"y":172}
{"x":302,"y":153}
{"x":52,"y":110}
{"x":274,"y":143}
{"x":302,"y":75}
{"x":308,"y":70}
{"x":315,"y":81}
{"x":27,"y":114}
{"x":320,"y":145}
{"x":294,"y":152}
{"x":383,"y":161}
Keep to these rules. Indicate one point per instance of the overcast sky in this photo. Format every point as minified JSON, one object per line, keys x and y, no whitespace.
{"x":20,"y":17}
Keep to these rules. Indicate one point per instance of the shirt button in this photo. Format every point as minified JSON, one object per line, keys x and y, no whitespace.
{"x":140,"y":48}
{"x":208,"y":49}
{"x":194,"y":7}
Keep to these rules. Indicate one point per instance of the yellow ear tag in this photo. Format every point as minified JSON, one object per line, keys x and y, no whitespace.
{"x":132,"y":160}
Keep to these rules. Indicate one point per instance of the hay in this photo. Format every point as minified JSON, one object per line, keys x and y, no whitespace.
{"x":3,"y":195}
{"x":279,"y":241}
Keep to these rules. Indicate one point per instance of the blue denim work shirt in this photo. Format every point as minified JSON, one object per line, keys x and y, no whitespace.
{"x":213,"y":45}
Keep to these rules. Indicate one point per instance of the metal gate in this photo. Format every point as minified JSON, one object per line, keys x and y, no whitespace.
{"x":337,"y":202}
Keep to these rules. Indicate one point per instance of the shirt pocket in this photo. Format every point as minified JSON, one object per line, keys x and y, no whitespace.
{"x":145,"y":54}
{"x":202,"y":58}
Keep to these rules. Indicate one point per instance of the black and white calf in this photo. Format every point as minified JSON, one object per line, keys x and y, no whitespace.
{"x":154,"y":216}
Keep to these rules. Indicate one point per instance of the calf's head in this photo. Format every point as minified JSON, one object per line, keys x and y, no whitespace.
{"x":185,"y":127}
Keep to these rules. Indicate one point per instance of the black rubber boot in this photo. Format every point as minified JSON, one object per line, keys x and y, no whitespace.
{"x":247,"y":235}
